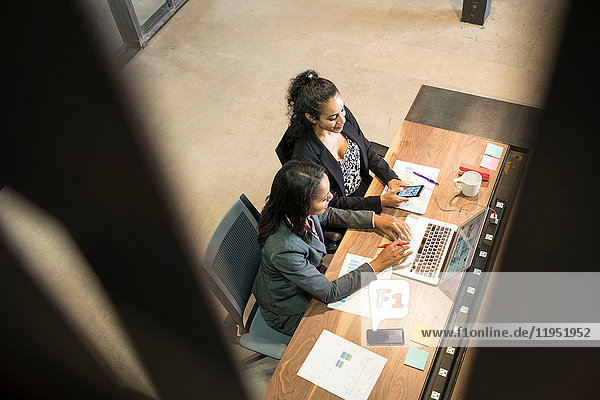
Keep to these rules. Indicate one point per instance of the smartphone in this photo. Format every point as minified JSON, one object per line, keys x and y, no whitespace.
{"x":411,"y":191}
{"x":385,"y":337}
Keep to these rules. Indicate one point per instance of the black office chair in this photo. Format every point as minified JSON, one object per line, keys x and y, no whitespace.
{"x":229,"y":266}
{"x":379,"y":148}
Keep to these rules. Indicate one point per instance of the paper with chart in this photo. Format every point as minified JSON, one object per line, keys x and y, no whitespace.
{"x":342,"y":367}
{"x":404,"y":170}
{"x":358,"y":302}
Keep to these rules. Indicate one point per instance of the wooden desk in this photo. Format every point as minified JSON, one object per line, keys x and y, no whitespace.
{"x":429,"y":305}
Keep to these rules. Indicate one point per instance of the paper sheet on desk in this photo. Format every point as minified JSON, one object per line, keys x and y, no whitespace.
{"x":342,"y":367}
{"x":405,"y":170}
{"x":358,"y":302}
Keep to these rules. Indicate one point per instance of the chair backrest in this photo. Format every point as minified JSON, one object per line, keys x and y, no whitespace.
{"x":284,"y":153}
{"x":232,"y":258}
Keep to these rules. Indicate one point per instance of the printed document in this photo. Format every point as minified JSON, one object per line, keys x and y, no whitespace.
{"x":342,"y":367}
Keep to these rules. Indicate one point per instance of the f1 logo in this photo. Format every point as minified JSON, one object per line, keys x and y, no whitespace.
{"x":389,"y":299}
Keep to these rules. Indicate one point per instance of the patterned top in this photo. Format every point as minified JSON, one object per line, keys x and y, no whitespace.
{"x":350,"y":166}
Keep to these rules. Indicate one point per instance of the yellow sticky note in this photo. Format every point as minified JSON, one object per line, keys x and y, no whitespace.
{"x":417,"y":335}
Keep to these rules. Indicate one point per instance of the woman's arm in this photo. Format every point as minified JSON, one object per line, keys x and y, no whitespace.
{"x":391,"y":226}
{"x":378,"y":165}
{"x":340,"y":218}
{"x":371,"y":203}
{"x":295,"y":267}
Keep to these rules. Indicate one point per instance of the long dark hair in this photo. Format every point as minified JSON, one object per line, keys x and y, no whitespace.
{"x":289,"y":201}
{"x":306,"y":94}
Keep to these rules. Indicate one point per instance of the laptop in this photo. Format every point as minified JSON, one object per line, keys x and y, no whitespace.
{"x":440,"y":250}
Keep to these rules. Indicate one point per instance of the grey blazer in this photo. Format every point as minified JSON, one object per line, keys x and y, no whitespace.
{"x":288,"y":277}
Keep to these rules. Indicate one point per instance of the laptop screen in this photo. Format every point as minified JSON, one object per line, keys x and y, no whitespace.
{"x":462,"y":252}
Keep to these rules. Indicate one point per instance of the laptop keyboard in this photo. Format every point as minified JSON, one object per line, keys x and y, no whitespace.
{"x":428,"y":259}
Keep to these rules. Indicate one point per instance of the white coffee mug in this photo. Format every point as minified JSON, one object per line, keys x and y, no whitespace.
{"x":469,"y":183}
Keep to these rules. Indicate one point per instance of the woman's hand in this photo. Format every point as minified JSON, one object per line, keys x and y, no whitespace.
{"x":391,"y":199}
{"x":393,"y":227}
{"x":396,"y":184}
{"x":391,"y":255}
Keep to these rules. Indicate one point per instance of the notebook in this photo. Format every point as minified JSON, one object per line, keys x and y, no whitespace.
{"x":440,"y":250}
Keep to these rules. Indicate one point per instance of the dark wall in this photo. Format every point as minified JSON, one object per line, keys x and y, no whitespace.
{"x":71,"y":143}
{"x":553,"y":228}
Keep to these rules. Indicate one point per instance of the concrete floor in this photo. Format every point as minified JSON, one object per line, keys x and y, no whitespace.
{"x":211,"y":87}
{"x":212,"y":83}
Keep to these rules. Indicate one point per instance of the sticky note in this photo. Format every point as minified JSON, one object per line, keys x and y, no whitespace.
{"x":489,"y":162}
{"x":417,"y":335}
{"x":416,"y":358}
{"x":493,"y":150}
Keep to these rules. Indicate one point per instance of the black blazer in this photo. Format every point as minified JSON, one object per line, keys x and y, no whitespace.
{"x":309,"y":147}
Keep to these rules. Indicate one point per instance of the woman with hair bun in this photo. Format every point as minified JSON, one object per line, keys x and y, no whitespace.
{"x":323,"y":130}
{"x":290,"y":234}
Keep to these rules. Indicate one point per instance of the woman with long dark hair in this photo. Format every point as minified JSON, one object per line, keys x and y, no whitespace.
{"x":323,"y":130}
{"x":291,"y":237}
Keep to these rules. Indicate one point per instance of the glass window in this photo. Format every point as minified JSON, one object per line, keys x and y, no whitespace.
{"x":145,"y":10}
{"x":106,"y":25}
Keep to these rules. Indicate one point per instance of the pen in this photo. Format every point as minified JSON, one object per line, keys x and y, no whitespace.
{"x":426,"y":178}
{"x":383,"y":246}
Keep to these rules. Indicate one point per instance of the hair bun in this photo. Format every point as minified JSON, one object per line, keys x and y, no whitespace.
{"x":310,"y":75}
